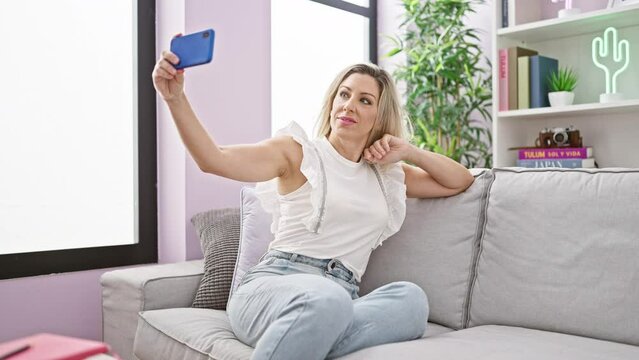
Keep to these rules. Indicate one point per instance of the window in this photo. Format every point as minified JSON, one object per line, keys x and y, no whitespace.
{"x":311,"y":41}
{"x":77,"y":136}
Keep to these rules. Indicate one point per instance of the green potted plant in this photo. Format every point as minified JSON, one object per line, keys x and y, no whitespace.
{"x":561,"y":84}
{"x":448,"y":92}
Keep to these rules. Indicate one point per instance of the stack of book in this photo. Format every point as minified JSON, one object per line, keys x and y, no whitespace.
{"x":556,"y":158}
{"x":523,"y":75}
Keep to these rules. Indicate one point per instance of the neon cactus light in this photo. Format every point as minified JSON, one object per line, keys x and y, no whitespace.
{"x":569,"y":10}
{"x":620,"y":53}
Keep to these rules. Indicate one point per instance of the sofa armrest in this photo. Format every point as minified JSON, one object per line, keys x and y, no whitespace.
{"x":126,"y":292}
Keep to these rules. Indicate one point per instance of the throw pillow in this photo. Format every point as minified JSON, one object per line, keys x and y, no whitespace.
{"x":255,"y":235}
{"x":219,"y":233}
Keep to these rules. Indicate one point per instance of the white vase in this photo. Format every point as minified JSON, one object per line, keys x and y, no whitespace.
{"x":561,"y":98}
{"x":568,"y":12}
{"x":610,"y":97}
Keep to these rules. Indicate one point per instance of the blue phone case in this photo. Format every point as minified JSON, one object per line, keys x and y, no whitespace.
{"x":194,"y":49}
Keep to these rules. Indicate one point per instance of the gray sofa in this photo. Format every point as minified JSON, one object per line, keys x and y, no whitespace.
{"x":525,"y":264}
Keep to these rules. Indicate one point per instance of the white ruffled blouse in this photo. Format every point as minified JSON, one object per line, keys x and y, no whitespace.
{"x":343,"y":211}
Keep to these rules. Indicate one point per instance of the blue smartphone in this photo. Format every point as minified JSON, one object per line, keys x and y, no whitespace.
{"x":194,"y":49}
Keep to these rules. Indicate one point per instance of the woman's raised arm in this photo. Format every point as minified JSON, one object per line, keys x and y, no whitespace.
{"x":248,"y":163}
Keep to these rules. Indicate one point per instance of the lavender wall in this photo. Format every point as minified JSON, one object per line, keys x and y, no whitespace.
{"x":171,"y":153}
{"x":231,"y":96}
{"x":66,"y":304}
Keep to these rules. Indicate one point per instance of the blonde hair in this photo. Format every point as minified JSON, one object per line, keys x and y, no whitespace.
{"x":391,"y":118}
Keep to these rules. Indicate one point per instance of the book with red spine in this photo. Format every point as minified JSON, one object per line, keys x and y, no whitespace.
{"x":503,"y":79}
{"x":54,"y":347}
{"x":555,"y":153}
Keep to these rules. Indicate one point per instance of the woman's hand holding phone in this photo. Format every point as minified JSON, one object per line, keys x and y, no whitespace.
{"x":186,"y":51}
{"x":168,"y":81}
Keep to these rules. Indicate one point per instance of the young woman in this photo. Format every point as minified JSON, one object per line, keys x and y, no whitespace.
{"x":334,"y":199}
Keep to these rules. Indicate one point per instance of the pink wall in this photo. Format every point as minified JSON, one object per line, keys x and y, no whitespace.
{"x":65,"y":304}
{"x":232,"y":98}
{"x":171,"y":153}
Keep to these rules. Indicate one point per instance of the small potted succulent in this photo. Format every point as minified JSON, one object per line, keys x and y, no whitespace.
{"x":561,"y":83}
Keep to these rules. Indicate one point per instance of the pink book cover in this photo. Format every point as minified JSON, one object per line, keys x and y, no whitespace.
{"x":503,"y":79}
{"x":54,"y":347}
{"x":555,"y":153}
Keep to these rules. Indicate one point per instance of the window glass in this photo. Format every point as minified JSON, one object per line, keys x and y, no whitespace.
{"x":310,"y":44}
{"x":68,"y":125}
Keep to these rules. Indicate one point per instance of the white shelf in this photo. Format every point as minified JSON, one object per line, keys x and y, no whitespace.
{"x":612,"y":128}
{"x":626,"y":106}
{"x":586,"y":23}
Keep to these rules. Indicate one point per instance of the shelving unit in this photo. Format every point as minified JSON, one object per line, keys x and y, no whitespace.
{"x":621,"y":107}
{"x":612,"y":129}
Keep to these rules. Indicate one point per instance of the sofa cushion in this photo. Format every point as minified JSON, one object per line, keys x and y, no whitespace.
{"x":500,"y":342}
{"x":219,"y":232}
{"x":255,"y":234}
{"x":433,"y":329}
{"x":560,"y":252}
{"x":194,"y":334}
{"x":435,"y":249}
{"x":187,"y":333}
{"x":127,"y":291}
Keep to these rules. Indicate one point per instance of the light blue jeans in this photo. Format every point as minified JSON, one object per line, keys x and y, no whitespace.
{"x":291,"y":306}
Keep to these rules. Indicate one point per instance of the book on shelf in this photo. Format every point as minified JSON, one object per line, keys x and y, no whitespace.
{"x":504,"y":13}
{"x":555,"y":153}
{"x":523,"y":82}
{"x":508,"y":87}
{"x":557,"y":163}
{"x":540,"y":69}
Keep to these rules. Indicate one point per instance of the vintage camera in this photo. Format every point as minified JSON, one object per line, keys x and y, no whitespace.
{"x":559,"y":137}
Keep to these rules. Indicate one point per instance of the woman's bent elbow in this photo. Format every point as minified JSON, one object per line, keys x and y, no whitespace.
{"x":470,"y":179}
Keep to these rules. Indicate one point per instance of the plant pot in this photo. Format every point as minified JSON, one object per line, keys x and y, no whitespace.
{"x":561,"y":98}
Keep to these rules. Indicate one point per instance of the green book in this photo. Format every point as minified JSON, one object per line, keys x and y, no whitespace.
{"x":523,"y":82}
{"x":540,"y":69}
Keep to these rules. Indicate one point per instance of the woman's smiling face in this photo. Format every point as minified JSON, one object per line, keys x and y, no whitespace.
{"x":354,"y":108}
